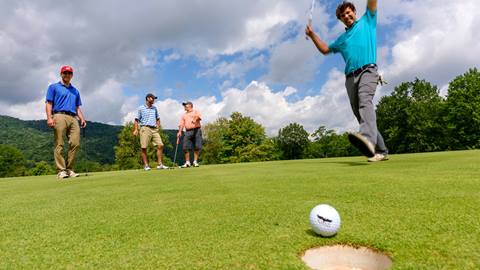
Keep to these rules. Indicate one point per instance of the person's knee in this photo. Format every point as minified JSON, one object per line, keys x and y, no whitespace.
{"x":74,"y":144}
{"x":365,"y":101}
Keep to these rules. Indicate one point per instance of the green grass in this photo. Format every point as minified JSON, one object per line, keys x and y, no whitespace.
{"x":423,"y":210}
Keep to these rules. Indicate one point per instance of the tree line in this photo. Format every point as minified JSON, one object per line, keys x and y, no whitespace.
{"x":413,"y":118}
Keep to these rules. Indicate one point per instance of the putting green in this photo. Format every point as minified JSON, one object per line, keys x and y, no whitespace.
{"x":422,"y":210}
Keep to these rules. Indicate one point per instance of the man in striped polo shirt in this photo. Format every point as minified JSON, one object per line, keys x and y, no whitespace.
{"x":149,"y":121}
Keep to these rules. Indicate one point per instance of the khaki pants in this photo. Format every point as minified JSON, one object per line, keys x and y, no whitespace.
{"x":65,"y":125}
{"x":147,"y":135}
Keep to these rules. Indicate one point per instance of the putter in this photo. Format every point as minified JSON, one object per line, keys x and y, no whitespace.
{"x":85,"y":149}
{"x":175,"y":155}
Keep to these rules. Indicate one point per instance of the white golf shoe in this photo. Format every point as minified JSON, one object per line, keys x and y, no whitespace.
{"x":186,"y":165}
{"x":378,"y":157}
{"x":62,"y":175}
{"x":162,"y":167}
{"x":72,"y":174}
{"x":195,"y":164}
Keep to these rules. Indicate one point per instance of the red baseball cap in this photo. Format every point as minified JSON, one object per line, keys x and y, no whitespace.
{"x":66,"y":68}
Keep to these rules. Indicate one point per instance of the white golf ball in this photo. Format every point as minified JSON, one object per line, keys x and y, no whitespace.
{"x":325,"y":220}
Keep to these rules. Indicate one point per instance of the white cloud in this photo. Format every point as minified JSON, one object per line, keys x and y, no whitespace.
{"x":33,"y":110}
{"x":113,"y":45}
{"x":107,"y":103}
{"x":439,"y":43}
{"x":293,"y":62}
{"x":233,"y":70}
{"x":111,"y":39}
{"x":172,"y":57}
{"x":272,"y":109}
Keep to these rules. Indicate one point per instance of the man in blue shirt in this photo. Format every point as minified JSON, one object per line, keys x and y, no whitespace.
{"x":358,"y":47}
{"x":63,"y":108}
{"x":149,"y":121}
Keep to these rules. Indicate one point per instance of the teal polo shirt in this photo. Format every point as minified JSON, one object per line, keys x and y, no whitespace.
{"x":358,"y":45}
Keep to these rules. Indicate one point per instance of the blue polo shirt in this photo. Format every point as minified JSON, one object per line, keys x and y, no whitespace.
{"x":358,"y":45}
{"x":64,"y":98}
{"x":147,"y":116}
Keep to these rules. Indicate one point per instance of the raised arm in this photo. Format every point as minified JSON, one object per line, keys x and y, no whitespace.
{"x":372,"y":5}
{"x":321,"y":46}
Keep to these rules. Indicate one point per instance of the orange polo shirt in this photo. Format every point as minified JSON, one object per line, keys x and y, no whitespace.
{"x":190,"y":120}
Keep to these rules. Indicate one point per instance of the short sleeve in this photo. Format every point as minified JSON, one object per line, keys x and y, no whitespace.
{"x":50,"y":93}
{"x":78,"y":100}
{"x":334,"y":47}
{"x":139,"y":114}
{"x":156,"y":114}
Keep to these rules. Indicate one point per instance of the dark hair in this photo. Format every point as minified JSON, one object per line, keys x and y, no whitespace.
{"x":344,"y":5}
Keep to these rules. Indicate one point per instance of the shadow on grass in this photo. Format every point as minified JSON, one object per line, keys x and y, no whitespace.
{"x":312,"y":233}
{"x":349,"y":163}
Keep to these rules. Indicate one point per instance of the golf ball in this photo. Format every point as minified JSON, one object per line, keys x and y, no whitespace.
{"x":325,"y":220}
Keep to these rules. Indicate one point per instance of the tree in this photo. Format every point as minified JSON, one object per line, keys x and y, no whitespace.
{"x":242,"y":132}
{"x":42,"y":168}
{"x":327,"y":143}
{"x":266,"y":151}
{"x":127,"y":155}
{"x":238,"y":139}
{"x":412,"y":119}
{"x":12,"y":161}
{"x":214,"y":140}
{"x":293,"y":141}
{"x":463,"y":110}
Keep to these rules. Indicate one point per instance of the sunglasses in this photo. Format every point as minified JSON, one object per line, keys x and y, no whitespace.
{"x":67,"y":73}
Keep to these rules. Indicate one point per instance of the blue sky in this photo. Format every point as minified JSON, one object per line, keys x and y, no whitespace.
{"x":248,"y":56}
{"x":187,"y":77}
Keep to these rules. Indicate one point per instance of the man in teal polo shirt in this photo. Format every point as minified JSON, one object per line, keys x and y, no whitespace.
{"x":358,"y":47}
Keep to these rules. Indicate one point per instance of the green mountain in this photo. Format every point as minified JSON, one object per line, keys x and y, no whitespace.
{"x":35,"y":139}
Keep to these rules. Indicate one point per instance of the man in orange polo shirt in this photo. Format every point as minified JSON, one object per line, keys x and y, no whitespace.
{"x":193,"y":134}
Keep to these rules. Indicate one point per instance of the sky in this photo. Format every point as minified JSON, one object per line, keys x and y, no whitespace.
{"x":249,"y":56}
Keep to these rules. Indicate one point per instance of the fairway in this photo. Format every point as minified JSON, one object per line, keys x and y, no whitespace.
{"x":420,"y":209}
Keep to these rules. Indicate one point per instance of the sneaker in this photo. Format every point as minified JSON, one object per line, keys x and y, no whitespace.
{"x":147,"y":168}
{"x":195,"y":164}
{"x":72,"y":174}
{"x":62,"y":175}
{"x":362,"y":144}
{"x":378,"y":157}
{"x":161,"y":167}
{"x":186,"y":165}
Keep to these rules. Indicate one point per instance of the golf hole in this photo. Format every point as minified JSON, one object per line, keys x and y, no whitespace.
{"x":346,"y":258}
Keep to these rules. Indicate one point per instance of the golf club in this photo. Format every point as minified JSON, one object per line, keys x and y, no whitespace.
{"x":310,"y":15}
{"x":175,"y":155}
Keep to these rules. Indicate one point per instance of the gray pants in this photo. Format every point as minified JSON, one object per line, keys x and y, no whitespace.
{"x":361,"y":90}
{"x":193,"y":139}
